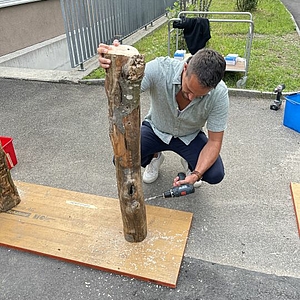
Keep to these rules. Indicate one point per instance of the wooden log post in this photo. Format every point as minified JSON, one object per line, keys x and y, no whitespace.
{"x":122,"y":85}
{"x":9,"y":196}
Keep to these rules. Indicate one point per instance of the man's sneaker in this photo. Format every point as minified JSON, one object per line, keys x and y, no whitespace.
{"x":188,"y":172}
{"x":151,"y":170}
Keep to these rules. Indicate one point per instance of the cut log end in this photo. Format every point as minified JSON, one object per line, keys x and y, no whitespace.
{"x":124,"y":50}
{"x":128,"y":61}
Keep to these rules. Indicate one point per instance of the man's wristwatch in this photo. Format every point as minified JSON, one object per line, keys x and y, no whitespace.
{"x":198,"y":174}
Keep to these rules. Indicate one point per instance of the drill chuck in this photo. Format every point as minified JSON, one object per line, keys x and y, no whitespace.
{"x":279,"y":88}
{"x":178,"y":191}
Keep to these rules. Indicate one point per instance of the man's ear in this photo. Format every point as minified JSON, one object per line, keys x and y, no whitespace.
{"x":185,"y":66}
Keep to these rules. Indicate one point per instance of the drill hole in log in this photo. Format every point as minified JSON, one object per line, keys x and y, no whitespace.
{"x":131,"y":190}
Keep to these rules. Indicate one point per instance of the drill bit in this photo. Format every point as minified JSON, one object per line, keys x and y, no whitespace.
{"x":154,"y":197}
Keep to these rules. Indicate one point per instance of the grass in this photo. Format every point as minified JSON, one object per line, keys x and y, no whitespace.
{"x":275,"y":51}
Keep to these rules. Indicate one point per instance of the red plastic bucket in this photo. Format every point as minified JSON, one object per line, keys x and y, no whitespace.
{"x":8,"y":147}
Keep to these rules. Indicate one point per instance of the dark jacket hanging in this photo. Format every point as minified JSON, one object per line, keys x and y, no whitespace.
{"x":196,"y":32}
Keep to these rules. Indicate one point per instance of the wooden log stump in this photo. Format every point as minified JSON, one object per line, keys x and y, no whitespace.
{"x":122,"y":85}
{"x":9,"y":196}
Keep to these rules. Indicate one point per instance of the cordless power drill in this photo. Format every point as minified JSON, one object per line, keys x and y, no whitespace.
{"x":176,"y":191}
{"x":277,"y":103}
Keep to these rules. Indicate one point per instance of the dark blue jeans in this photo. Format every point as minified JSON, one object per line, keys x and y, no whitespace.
{"x":151,"y":143}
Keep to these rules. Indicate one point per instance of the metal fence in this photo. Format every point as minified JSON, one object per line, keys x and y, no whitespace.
{"x":89,"y":22}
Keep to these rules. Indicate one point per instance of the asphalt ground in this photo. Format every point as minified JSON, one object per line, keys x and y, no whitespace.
{"x":243,"y":243}
{"x":294,"y":8}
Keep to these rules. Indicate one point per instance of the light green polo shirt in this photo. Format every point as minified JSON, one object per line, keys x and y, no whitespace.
{"x":163,"y":80}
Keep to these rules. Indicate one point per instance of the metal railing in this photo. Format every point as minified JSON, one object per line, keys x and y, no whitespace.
{"x":200,"y":5}
{"x":89,"y":22}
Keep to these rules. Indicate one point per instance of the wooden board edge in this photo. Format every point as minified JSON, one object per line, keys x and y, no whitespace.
{"x":91,"y":266}
{"x":295,"y":207}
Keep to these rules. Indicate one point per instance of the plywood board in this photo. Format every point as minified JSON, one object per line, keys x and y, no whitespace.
{"x":87,"y":229}
{"x":295,"y":190}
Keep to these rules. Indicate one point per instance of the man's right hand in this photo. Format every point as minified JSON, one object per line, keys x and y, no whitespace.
{"x":102,"y":49}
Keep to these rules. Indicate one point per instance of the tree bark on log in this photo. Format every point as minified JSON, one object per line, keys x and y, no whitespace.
{"x":122,"y":85}
{"x":9,"y":196}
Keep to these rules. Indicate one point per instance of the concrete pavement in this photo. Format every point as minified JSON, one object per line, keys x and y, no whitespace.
{"x":243,"y":243}
{"x":294,"y":8}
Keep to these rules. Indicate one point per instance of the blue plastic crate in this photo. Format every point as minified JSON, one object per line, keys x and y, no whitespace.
{"x":291,"y":116}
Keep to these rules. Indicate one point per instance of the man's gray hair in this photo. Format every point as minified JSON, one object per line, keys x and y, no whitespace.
{"x":208,"y":66}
